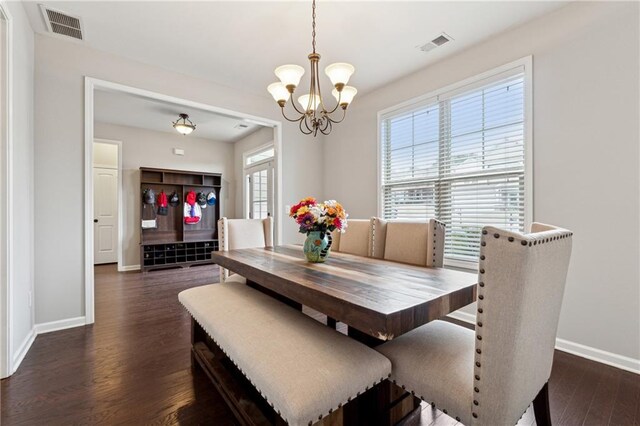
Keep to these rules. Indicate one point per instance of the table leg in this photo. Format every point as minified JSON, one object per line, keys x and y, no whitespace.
{"x":362,"y":337}
{"x":393,"y":405}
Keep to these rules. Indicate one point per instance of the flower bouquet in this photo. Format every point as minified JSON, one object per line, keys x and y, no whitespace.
{"x":318,"y":220}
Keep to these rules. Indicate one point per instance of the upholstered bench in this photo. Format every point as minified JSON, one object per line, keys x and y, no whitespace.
{"x":302,"y":368}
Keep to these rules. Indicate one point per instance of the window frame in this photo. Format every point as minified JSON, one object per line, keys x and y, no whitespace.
{"x":258,"y":150}
{"x":523,"y":65}
{"x":270,"y":164}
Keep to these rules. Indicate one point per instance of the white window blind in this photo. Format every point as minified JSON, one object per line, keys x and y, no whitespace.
{"x":461,"y":159}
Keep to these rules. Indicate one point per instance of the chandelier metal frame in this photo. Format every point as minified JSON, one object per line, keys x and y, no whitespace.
{"x":315,"y":116}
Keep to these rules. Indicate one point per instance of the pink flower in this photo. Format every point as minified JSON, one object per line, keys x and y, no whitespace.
{"x":306,"y":221}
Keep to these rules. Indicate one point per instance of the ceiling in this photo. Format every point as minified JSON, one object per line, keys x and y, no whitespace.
{"x":239,"y":43}
{"x":134,"y":111}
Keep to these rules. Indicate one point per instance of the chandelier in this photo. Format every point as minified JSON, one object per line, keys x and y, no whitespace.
{"x":182,"y":126}
{"x":314,"y":116}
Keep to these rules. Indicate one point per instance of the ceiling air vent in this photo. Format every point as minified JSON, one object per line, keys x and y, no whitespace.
{"x":241,"y":126}
{"x":436,"y":42}
{"x":58,"y":22}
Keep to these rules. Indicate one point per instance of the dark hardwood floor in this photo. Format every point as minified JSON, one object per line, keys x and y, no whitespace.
{"x":132,"y":367}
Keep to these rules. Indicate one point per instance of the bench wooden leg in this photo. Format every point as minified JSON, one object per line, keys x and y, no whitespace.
{"x":541,"y":407}
{"x":331,"y":322}
{"x":197,"y":332}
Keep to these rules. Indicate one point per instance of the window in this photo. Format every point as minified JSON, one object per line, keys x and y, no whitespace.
{"x":259,"y":180}
{"x":459,"y":156}
{"x":261,"y":155}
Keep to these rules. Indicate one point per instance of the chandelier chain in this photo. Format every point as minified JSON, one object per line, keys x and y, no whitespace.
{"x":313,"y":26}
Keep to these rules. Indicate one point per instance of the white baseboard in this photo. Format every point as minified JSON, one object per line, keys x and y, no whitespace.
{"x":127,"y":268}
{"x":40,"y":329}
{"x":48,"y":327}
{"x":604,"y":357}
{"x":584,"y":351}
{"x":22,"y":350}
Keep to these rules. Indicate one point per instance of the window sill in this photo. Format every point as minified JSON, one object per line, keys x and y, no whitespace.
{"x":460,"y":265}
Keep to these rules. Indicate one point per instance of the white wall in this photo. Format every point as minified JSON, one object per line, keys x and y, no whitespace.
{"x":59,"y":157}
{"x":585,"y":130}
{"x":252,"y":141}
{"x":585,"y":94}
{"x":148,"y":148}
{"x":22,"y":68}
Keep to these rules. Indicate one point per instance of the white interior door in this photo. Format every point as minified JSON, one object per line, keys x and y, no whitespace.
{"x":260,"y":191}
{"x":105,"y":215}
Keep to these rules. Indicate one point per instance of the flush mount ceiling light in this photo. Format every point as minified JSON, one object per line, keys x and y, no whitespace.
{"x":314,"y":116}
{"x":183,"y":125}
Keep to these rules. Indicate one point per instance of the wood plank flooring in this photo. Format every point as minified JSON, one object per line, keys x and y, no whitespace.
{"x":132,"y":367}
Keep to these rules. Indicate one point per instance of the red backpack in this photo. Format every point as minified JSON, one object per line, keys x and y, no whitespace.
{"x":163,"y":210}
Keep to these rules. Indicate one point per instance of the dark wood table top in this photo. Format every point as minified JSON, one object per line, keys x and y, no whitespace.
{"x":380,"y":298}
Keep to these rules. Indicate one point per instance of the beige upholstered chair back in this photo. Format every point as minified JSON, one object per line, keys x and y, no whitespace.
{"x":356,"y":240}
{"x":236,"y":234}
{"x":521,"y":283}
{"x":417,"y":243}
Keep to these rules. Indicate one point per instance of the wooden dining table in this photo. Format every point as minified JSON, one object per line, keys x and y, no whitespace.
{"x":376,"y":298}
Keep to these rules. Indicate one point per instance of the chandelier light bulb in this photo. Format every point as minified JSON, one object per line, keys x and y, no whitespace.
{"x":289,"y":75}
{"x":278,"y":91}
{"x":304,"y":102}
{"x":339,"y":73}
{"x":346,"y":96}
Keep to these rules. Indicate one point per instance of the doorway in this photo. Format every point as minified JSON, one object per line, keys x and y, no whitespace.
{"x":107,"y":201}
{"x":95,"y":88}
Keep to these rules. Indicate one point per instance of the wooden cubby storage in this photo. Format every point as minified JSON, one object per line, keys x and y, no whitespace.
{"x":174,"y":243}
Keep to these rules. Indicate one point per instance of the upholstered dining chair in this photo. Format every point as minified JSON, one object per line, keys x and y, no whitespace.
{"x":356,"y":240}
{"x":417,"y":243}
{"x":490,"y":376}
{"x":236,"y":234}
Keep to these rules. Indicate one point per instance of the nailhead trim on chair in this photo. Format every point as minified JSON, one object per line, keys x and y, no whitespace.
{"x":260,"y":391}
{"x":373,"y":237}
{"x":442,"y":225}
{"x":481,"y":297}
{"x":224,"y":273}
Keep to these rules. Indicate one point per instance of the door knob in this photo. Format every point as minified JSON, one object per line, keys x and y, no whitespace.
{"x":95,"y":220}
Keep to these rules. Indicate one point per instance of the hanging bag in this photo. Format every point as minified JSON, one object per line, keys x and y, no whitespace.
{"x":149,"y":218}
{"x":163,"y":210}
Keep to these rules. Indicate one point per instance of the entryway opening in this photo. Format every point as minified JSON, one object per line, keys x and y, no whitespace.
{"x":161,"y":171}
